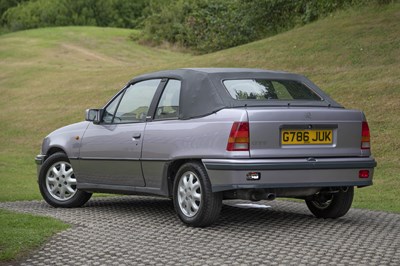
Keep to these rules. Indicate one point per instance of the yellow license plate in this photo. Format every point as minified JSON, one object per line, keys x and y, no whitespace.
{"x":306,"y":136}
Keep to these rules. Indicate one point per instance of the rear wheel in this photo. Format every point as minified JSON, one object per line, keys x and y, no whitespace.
{"x":194,"y":202}
{"x":331,"y":205}
{"x":57,"y":183}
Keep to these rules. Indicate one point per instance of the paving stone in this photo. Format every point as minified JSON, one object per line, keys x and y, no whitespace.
{"x":135,"y":230}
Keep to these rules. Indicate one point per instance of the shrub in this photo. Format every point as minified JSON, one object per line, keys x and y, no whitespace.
{"x":44,"y":13}
{"x":201,"y":25}
{"x":204,"y":25}
{"x":207,"y":26}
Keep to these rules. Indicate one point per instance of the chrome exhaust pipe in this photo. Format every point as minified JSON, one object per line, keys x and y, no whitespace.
{"x":257,"y":195}
{"x":271,"y":196}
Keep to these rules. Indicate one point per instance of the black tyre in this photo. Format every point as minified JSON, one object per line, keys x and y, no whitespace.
{"x":57,"y":183}
{"x":331,"y":205}
{"x":194,"y":202}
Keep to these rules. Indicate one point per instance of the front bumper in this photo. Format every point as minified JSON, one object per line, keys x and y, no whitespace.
{"x":228,"y":174}
{"x":39,"y":159}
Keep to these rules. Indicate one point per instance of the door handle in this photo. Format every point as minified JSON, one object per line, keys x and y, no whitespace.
{"x":136,"y":135}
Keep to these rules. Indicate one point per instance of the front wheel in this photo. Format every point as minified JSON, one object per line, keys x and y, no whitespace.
{"x":194,"y":202}
{"x":57,"y":183}
{"x":331,"y":205}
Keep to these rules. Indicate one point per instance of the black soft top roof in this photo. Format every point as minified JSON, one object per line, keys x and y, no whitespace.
{"x":203,"y":92}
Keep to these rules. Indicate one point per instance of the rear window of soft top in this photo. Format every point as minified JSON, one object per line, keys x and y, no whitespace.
{"x":266,"y":89}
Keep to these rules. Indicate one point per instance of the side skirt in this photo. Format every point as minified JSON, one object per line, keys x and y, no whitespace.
{"x":126,"y":190}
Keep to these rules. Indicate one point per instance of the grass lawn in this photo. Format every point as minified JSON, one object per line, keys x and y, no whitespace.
{"x":49,"y":76}
{"x":20,"y":233}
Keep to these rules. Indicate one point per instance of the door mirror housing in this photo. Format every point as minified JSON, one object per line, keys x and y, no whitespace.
{"x":93,"y":115}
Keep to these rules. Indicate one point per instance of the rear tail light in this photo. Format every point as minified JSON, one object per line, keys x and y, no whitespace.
{"x":239,"y":138}
{"x":365,"y":136}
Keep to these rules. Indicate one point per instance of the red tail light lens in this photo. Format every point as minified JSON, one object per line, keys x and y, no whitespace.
{"x":239,"y":138}
{"x":363,"y":174}
{"x":365,"y":136}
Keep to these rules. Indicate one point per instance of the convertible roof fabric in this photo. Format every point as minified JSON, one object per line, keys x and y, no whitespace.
{"x":203,"y":92}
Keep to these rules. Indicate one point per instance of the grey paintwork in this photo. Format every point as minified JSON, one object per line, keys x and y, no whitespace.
{"x":346,"y":125}
{"x":140,"y":157}
{"x":288,"y":173}
{"x":65,"y":139}
{"x":118,"y":152}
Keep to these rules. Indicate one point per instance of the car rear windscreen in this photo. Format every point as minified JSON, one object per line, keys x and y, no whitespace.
{"x":264,"y":89}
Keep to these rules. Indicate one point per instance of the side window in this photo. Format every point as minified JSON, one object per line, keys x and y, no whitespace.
{"x":135,"y":102}
{"x":110,"y":110}
{"x":168,"y":107}
{"x":281,"y":91}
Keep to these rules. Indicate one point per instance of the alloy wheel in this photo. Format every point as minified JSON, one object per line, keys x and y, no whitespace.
{"x":60,"y":181}
{"x":189,"y":194}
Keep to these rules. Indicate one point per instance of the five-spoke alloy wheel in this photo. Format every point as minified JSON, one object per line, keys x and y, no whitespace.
{"x":58,"y":185}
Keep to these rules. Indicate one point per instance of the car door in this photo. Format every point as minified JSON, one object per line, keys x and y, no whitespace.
{"x":163,"y":134}
{"x":110,"y":151}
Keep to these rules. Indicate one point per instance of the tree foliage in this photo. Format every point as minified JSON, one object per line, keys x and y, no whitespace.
{"x":44,"y":13}
{"x":211,"y":25}
{"x":201,"y":25}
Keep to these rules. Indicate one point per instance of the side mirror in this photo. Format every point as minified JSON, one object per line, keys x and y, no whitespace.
{"x":93,"y":115}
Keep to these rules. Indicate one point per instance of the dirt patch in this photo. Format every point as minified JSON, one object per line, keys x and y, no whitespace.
{"x":91,"y":55}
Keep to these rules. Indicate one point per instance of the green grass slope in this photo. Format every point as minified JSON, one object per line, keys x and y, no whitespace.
{"x":23,"y":232}
{"x":48,"y":77}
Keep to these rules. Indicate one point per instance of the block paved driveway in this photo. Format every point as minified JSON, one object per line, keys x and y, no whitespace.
{"x":132,"y":230}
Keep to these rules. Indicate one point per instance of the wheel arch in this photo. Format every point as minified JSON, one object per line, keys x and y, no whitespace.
{"x":173,"y":168}
{"x":199,"y":207}
{"x":53,"y":150}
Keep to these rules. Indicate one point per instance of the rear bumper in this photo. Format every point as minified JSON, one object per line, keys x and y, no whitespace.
{"x":228,"y":174}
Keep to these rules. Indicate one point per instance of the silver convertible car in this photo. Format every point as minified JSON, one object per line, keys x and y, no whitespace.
{"x":200,"y":136}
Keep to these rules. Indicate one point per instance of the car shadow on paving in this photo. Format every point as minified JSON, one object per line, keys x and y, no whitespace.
{"x":134,"y":230}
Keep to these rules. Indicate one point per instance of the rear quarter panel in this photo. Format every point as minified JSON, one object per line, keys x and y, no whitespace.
{"x":197,"y":138}
{"x":192,"y":138}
